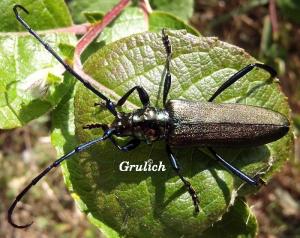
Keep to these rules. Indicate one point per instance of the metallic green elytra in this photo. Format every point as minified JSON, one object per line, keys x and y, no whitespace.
{"x":224,"y":125}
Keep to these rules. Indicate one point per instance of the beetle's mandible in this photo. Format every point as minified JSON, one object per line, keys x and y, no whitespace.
{"x":179,"y":123}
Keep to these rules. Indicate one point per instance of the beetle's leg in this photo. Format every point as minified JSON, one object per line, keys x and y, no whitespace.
{"x":239,"y":75}
{"x":186,"y":183}
{"x":144,"y":97}
{"x":56,"y":163}
{"x":109,"y":104}
{"x":168,"y":78}
{"x":235,"y":171}
{"x":130,"y":145}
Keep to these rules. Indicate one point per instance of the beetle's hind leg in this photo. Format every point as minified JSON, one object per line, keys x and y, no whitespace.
{"x":186,"y":183}
{"x":252,"y":181}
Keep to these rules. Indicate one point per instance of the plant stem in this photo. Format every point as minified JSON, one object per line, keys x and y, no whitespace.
{"x":273,"y":18}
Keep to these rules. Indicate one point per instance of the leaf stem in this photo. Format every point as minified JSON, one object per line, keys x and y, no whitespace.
{"x":145,"y":6}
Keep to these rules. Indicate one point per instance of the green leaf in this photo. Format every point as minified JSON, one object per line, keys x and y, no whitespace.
{"x":183,"y":9}
{"x":130,"y":21}
{"x":93,"y":17}
{"x":159,"y":20}
{"x":238,"y":222}
{"x":78,"y":8}
{"x":44,"y":14}
{"x":144,"y":204}
{"x":26,"y":90}
{"x":30,"y":81}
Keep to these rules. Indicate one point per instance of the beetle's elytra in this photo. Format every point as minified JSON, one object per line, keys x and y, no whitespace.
{"x":180,"y":122}
{"x":223,"y":125}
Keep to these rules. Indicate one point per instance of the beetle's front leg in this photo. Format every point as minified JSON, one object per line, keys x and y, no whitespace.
{"x":235,"y":171}
{"x":143,"y":95}
{"x":186,"y":183}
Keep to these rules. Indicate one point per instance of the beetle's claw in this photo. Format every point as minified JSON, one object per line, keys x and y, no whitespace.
{"x":260,"y":181}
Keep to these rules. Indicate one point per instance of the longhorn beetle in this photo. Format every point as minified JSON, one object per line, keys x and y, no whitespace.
{"x":180,"y":122}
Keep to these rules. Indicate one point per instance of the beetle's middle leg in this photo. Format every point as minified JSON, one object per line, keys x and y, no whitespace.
{"x":237,"y":172}
{"x":238,"y":75}
{"x":186,"y":183}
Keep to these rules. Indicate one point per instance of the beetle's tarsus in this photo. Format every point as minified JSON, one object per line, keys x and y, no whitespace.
{"x":194,"y":196}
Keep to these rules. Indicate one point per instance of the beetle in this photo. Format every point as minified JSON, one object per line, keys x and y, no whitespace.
{"x":179,"y":123}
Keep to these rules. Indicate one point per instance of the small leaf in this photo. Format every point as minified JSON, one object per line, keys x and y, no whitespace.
{"x":159,"y":20}
{"x":78,"y":8}
{"x":67,"y":51}
{"x":145,"y":204}
{"x":93,"y":17}
{"x":182,"y":9}
{"x":129,"y":22}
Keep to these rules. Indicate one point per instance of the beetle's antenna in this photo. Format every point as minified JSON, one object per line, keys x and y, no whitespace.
{"x":57,"y":162}
{"x":109,"y":104}
{"x":168,"y":77}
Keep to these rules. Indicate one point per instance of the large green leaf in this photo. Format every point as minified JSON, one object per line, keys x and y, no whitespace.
{"x":144,"y":204}
{"x":29,"y":76}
